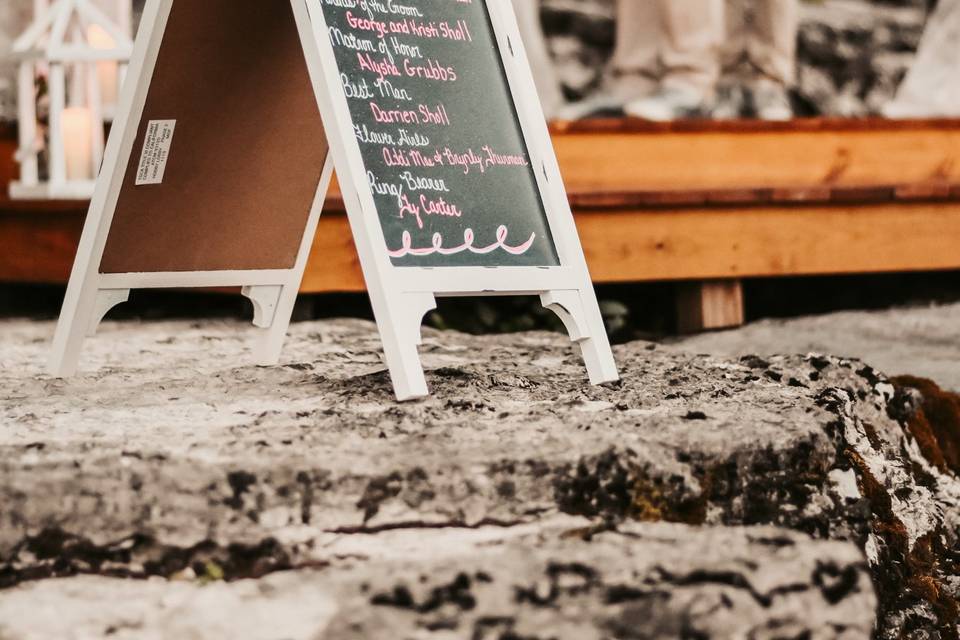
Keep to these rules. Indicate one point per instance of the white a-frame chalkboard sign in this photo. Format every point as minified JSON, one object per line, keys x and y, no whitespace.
{"x":434,"y":127}
{"x":214,"y":173}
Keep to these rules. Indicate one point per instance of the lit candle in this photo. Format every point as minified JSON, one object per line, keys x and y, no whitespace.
{"x":78,"y":143}
{"x":108,"y":72}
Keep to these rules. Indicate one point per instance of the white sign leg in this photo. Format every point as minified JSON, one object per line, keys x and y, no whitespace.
{"x":84,"y":301}
{"x":399,"y":318}
{"x":265,"y":299}
{"x":75,"y":321}
{"x":585,"y":325}
{"x":400,"y":296}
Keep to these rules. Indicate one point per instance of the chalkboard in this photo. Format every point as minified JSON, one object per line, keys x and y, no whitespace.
{"x":439,"y":135}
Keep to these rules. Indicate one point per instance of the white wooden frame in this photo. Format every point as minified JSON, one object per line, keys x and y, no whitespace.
{"x":91,"y":294}
{"x":401,"y":296}
{"x":50,"y":41}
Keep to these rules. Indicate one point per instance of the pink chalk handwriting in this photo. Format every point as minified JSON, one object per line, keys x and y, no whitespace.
{"x":437,"y":247}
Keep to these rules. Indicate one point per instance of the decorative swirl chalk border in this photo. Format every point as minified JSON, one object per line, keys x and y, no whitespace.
{"x":407,"y":247}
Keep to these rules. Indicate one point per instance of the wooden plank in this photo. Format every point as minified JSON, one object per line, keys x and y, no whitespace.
{"x":625,"y":163}
{"x":709,"y":305}
{"x":38,"y":248}
{"x":711,"y":243}
{"x":682,"y":201}
{"x":700,"y":125}
{"x":692,"y":243}
{"x":9,"y":170}
{"x":719,"y":160}
{"x":334,"y":264}
{"x":704,"y":243}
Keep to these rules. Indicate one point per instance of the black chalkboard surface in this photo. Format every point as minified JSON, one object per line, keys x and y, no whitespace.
{"x":439,"y":133}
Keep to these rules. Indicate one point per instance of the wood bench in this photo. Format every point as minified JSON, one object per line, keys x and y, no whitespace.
{"x":704,"y":203}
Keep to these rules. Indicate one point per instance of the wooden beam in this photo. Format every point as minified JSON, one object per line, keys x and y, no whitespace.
{"x":38,"y":247}
{"x":708,"y":243}
{"x":334,"y":264}
{"x":739,"y":242}
{"x":595,"y":159}
{"x":611,"y":161}
{"x":735,"y":200}
{"x":695,"y":243}
{"x":709,"y":305}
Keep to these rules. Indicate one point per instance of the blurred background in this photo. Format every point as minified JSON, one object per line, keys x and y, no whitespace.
{"x":765,"y":158}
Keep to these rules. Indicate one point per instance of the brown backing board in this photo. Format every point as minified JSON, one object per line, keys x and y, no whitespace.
{"x":247,"y":152}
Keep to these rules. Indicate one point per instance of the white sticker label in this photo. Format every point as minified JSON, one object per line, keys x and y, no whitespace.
{"x":156,"y":151}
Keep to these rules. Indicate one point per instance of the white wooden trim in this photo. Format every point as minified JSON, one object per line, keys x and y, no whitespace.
{"x":125,"y":17}
{"x":53,"y":23}
{"x":74,"y":53}
{"x":463,"y":281}
{"x":29,"y":143}
{"x":192,"y":279}
{"x":57,"y":39}
{"x":265,"y":299}
{"x":80,"y":300}
{"x":71,"y":190}
{"x":58,"y":100}
{"x":106,"y":299}
{"x":30,"y":39}
{"x":58,"y":31}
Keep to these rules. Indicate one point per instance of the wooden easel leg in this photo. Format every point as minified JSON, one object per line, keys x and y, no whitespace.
{"x":399,"y":324}
{"x":705,"y":306}
{"x":84,"y":304}
{"x":273,"y":306}
{"x":106,"y":299}
{"x":79,"y":308}
{"x":585,"y":325}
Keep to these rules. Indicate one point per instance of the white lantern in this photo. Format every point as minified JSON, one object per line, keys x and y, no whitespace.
{"x":82,"y":53}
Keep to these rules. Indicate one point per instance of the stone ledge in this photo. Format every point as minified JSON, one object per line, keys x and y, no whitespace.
{"x":172,"y":456}
{"x":549,"y":581}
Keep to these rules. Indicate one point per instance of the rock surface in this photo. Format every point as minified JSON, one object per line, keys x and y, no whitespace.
{"x":703,"y":497}
{"x":920,"y":340}
{"x":640,"y":581}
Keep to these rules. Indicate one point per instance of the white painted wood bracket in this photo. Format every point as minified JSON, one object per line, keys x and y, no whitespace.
{"x":265,"y":300}
{"x":413,"y":308}
{"x":586,"y":329}
{"x":402,"y":333}
{"x":569,"y":307}
{"x":106,"y":299}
